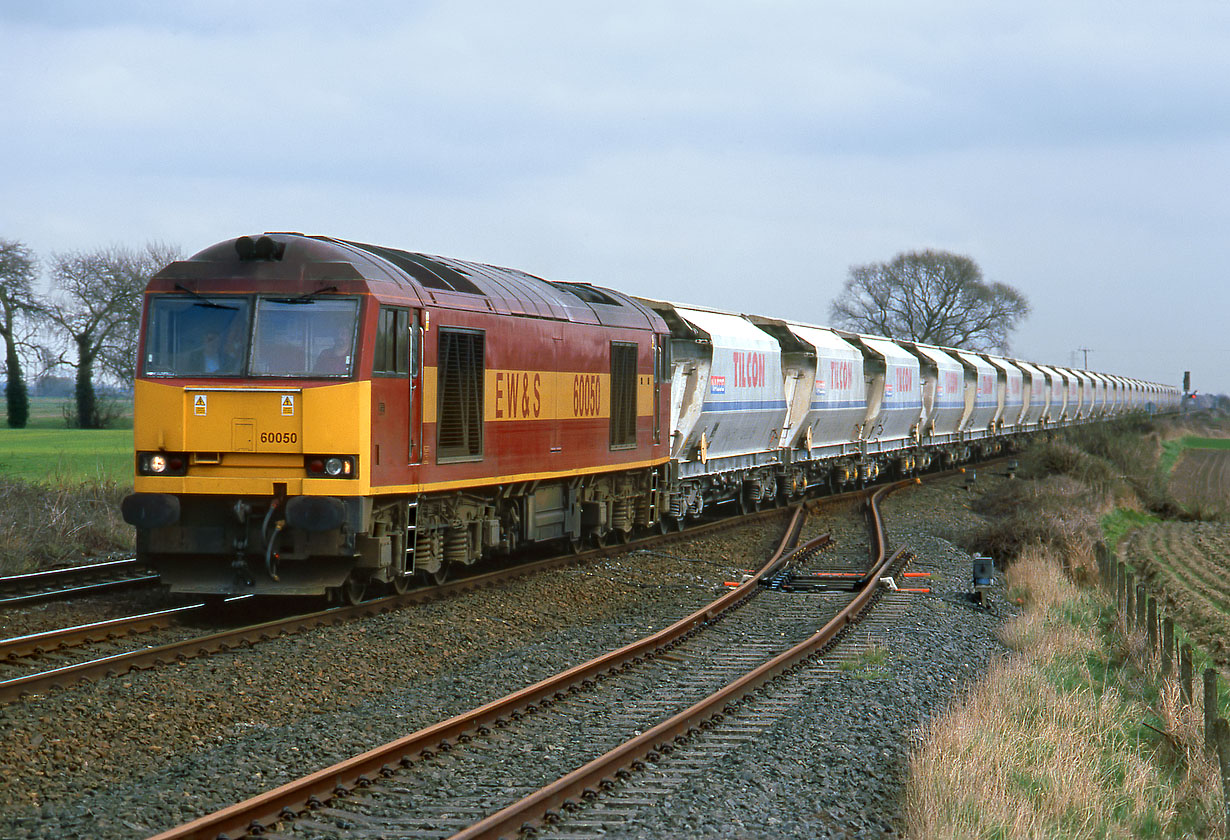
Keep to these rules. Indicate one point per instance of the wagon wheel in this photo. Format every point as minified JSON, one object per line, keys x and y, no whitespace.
{"x":400,"y":584}
{"x":576,"y":545}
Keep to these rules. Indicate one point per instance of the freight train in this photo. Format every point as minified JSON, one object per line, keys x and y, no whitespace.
{"x":316,"y":416}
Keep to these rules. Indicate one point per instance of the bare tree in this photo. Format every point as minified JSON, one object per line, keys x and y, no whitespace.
{"x":18,"y":269}
{"x":97,"y":305}
{"x":935,"y":297}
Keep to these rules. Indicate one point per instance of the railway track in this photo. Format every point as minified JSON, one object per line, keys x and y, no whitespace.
{"x":74,"y":581}
{"x":21,"y":657}
{"x":67,"y":649}
{"x":630,"y":709}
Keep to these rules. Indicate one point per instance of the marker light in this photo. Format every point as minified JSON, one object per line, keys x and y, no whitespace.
{"x":330,"y":466}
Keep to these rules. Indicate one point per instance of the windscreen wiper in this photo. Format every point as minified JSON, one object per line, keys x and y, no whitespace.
{"x":306,"y":297}
{"x":204,"y":301}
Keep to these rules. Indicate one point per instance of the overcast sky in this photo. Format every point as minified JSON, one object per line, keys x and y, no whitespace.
{"x":740,"y":155}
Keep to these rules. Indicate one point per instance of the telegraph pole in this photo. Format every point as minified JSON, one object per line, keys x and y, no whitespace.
{"x":1084,"y":350}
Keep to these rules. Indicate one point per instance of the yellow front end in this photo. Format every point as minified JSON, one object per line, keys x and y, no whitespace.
{"x":252,"y":489}
{"x":252,"y":440}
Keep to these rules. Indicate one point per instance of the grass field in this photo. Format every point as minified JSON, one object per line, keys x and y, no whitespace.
{"x":59,"y":456}
{"x":48,"y":452}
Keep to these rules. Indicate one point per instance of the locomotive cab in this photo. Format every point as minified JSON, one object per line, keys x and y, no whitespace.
{"x":248,"y":430}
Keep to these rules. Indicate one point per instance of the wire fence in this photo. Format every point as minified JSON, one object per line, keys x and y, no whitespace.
{"x":1139,"y":611}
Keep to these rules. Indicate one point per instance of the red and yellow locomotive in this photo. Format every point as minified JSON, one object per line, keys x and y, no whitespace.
{"x":313,"y":415}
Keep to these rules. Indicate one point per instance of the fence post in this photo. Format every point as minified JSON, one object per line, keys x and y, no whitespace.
{"x":1142,"y":606}
{"x":1152,"y":625}
{"x":1129,"y":611}
{"x":1223,"y":761}
{"x":1210,"y":709}
{"x":1185,"y":673}
{"x":1120,"y":586}
{"x":1167,"y":646}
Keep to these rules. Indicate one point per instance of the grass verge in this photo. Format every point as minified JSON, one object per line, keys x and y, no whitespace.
{"x":1072,"y":737}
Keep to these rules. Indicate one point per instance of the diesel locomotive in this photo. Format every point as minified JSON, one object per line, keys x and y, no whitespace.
{"x":317,"y":416}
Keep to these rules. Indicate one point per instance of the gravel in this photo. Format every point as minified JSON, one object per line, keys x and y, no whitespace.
{"x":134,"y":755}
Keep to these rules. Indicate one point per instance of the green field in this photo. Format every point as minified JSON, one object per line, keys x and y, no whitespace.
{"x":57,"y":456}
{"x":46,"y":451}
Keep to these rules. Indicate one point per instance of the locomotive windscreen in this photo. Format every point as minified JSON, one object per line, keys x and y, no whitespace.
{"x":212,"y":337}
{"x":197,"y":336}
{"x":304,"y":337}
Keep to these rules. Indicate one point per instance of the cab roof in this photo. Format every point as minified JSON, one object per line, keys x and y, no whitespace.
{"x":293,"y":263}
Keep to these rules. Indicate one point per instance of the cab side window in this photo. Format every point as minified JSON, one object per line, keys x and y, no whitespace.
{"x":392,"y":343}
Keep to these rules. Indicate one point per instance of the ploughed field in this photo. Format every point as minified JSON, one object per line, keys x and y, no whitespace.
{"x":1202,"y":475}
{"x":1187,"y":564}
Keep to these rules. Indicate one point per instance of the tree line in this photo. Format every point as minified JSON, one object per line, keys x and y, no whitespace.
{"x":88,"y":320}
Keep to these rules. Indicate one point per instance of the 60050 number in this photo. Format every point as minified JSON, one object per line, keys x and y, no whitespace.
{"x":279,"y":437}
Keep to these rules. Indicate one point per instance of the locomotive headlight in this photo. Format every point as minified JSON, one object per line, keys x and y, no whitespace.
{"x":160,"y":463}
{"x":334,"y":466}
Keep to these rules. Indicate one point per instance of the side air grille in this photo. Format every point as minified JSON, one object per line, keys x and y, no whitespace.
{"x":623,"y":395}
{"x":460,"y":389}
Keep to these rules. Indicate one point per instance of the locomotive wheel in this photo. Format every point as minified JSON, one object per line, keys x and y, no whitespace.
{"x":353,"y":590}
{"x":400,"y":584}
{"x":438,"y":576}
{"x":576,"y":545}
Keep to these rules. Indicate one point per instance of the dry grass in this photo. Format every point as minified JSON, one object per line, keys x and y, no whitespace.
{"x":1062,"y":739}
{"x":1018,"y":758}
{"x":47,"y":525}
{"x":1044,"y":631}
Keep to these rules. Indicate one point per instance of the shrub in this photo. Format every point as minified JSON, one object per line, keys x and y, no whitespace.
{"x":1057,"y":513}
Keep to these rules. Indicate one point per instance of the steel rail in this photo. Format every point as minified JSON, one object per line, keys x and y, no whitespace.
{"x":54,"y":577}
{"x":293,"y":797}
{"x":67,"y":571}
{"x":85,"y":589}
{"x":582,"y":782}
{"x":36,"y":643}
